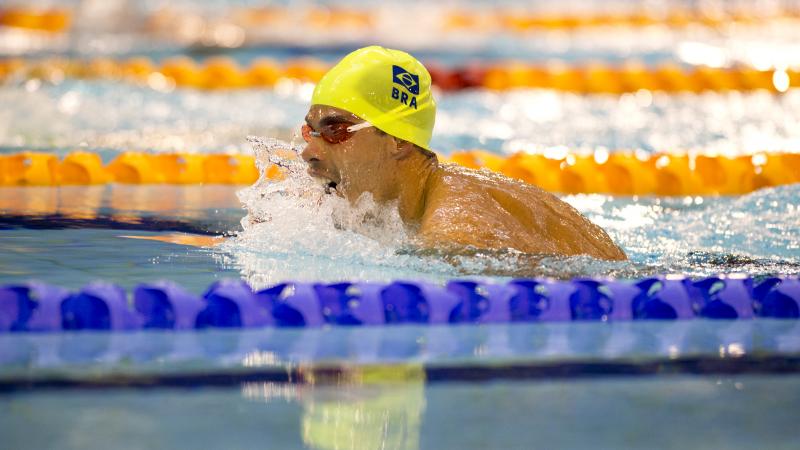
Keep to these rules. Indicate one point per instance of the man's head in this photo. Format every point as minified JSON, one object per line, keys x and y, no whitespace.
{"x":369,"y":113}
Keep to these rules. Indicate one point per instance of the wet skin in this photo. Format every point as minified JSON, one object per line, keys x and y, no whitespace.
{"x":448,"y":206}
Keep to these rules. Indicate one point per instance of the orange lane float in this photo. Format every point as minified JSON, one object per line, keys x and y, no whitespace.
{"x":143,"y":168}
{"x":86,"y":168}
{"x":220,"y":73}
{"x":82,"y":168}
{"x":618,"y":173}
{"x":496,"y":20}
{"x":626,"y":173}
{"x":29,"y":168}
{"x":522,"y":21}
{"x":121,"y":202}
{"x":183,"y":71}
{"x":48,"y":20}
{"x":473,"y":20}
{"x":223,"y":73}
{"x":233,"y":169}
{"x":263,"y":72}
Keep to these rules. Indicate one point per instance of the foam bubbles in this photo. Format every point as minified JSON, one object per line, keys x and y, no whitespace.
{"x":295,"y":230}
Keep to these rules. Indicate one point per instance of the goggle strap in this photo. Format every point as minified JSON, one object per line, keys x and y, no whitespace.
{"x":358,"y":126}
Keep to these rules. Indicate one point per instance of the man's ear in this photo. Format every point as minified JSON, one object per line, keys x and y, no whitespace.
{"x":402,"y":149}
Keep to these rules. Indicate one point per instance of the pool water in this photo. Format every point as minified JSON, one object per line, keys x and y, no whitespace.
{"x":626,"y":385}
{"x":670,"y":412}
{"x":110,"y":116}
{"x":76,"y":242}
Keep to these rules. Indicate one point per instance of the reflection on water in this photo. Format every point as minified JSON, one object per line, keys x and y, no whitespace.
{"x":86,"y":202}
{"x":726,"y":412}
{"x":384,"y":418}
{"x":310,"y":350}
{"x":202,"y":209}
{"x":402,"y":387}
{"x":362,"y":408}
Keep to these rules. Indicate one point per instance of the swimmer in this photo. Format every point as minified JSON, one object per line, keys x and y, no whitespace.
{"x":368,"y":131}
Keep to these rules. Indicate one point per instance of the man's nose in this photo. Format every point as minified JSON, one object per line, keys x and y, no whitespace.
{"x":310,"y":153}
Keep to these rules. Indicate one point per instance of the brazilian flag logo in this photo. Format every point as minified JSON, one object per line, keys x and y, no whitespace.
{"x":406,"y":79}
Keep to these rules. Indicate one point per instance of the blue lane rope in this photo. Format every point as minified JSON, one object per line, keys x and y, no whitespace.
{"x":36,"y":306}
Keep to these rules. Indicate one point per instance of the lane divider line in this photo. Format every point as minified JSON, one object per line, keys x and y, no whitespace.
{"x":618,"y":173}
{"x":223,"y":73}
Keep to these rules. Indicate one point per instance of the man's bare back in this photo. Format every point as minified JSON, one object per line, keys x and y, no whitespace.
{"x":490,"y":211}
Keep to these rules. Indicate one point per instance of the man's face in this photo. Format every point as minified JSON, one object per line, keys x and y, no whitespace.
{"x":361,"y":163}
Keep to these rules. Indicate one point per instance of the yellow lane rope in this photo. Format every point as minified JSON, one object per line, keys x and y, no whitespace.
{"x":592,"y":78}
{"x":50,"y":20}
{"x":620,"y":173}
{"x":522,"y":21}
{"x":168,"y":20}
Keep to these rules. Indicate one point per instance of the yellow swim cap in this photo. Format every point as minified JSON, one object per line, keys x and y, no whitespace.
{"x":388,"y":88}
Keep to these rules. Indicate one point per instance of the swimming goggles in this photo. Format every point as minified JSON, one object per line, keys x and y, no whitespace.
{"x":334,"y":133}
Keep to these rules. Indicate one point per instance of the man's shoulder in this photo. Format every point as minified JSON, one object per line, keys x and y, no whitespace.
{"x":454,"y":191}
{"x":487,"y":210}
{"x":457,"y":187}
{"x":458,"y":200}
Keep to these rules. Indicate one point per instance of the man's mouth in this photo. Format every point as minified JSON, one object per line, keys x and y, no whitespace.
{"x":328,"y":184}
{"x":330,"y":187}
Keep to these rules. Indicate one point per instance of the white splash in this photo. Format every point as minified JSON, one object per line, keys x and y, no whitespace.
{"x":296,"y":230}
